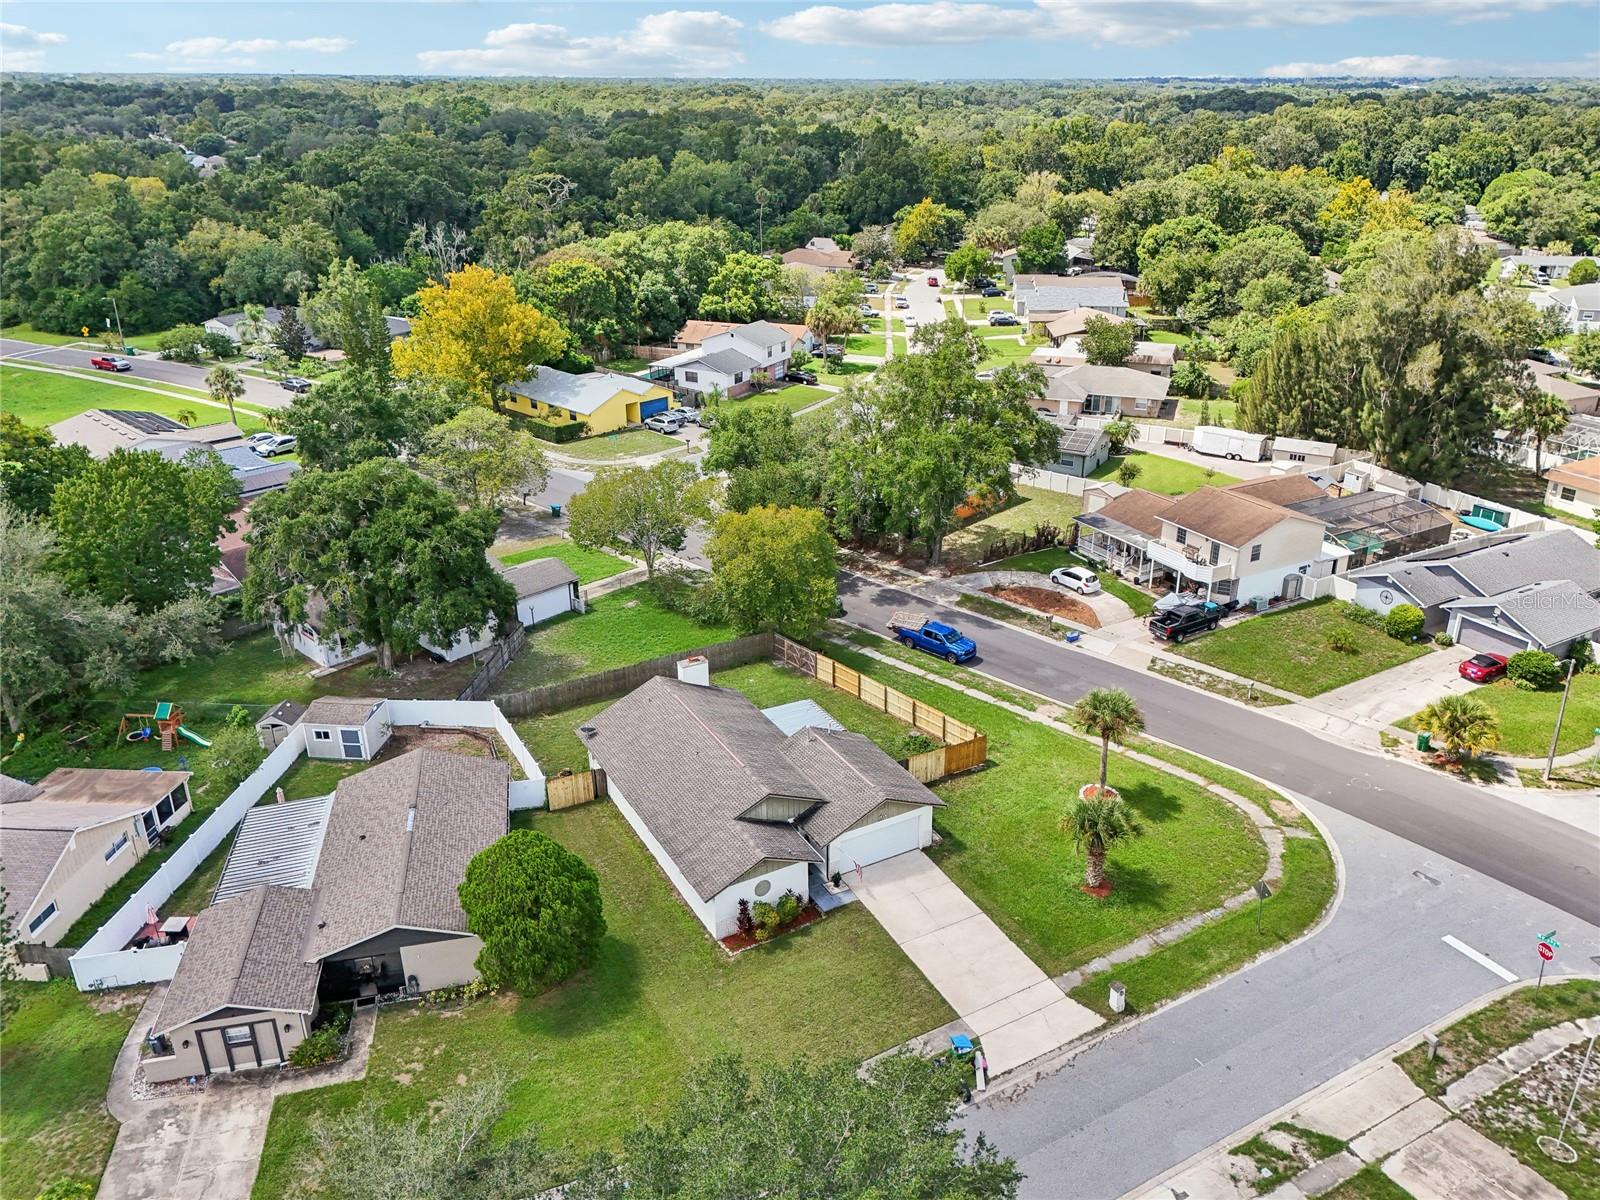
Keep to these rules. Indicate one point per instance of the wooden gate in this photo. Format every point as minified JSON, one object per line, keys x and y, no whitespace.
{"x":569,"y":791}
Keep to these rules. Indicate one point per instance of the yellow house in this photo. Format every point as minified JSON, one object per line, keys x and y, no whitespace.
{"x":603,"y":400}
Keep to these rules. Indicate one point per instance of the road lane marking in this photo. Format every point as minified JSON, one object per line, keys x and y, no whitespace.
{"x":1483,"y":960}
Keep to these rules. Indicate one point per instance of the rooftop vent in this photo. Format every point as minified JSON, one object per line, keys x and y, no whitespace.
{"x":695,"y":669}
{"x":411,"y":819}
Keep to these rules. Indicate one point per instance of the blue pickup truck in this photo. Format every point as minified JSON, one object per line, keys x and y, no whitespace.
{"x":924,"y":633}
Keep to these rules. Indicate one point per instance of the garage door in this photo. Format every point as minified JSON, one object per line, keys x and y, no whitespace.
{"x":875,"y":842}
{"x":649,"y":408}
{"x":1479,"y":636}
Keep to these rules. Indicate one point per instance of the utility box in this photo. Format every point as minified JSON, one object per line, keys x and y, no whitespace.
{"x":1119,"y":997}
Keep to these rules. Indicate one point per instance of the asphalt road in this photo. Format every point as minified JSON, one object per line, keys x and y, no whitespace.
{"x":1526,"y":850}
{"x":147,"y":368}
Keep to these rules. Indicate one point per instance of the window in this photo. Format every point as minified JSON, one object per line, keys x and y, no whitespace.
{"x":237,"y":1035}
{"x":164,"y":810}
{"x":1216,"y":553}
{"x":117,"y":847}
{"x":1183,"y":536}
{"x":763,"y":887}
{"x":322,"y":735}
{"x":738,"y":377}
{"x":1296,"y":457}
{"x":43,"y":919}
{"x":1255,"y":552}
{"x":351,"y":738}
{"x":1569,"y":493}
{"x":691,"y":376}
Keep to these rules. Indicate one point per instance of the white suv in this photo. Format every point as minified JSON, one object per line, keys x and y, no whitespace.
{"x":1079,"y":579}
{"x":666,"y":422}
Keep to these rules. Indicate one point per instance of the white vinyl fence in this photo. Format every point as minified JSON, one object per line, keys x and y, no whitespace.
{"x":103,"y":963}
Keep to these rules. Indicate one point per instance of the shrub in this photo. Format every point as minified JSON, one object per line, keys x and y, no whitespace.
{"x":547,"y":431}
{"x":766,"y":919}
{"x":1342,"y":643}
{"x":67,"y":1189}
{"x":916,"y":743}
{"x":1443,"y":639}
{"x":1524,"y":685}
{"x":1404,"y":621}
{"x":689,"y":592}
{"x":788,"y":907}
{"x":218,"y":345}
{"x":1539,"y":668}
{"x":1361,"y":615}
{"x":183,"y":344}
{"x":321,"y":1046}
{"x":746,"y":923}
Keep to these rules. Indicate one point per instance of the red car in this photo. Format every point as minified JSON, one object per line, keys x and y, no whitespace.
{"x":933,"y":281}
{"x":1481,"y":668}
{"x":110,"y":362}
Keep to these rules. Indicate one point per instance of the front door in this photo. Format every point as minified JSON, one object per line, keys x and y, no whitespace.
{"x":350,"y":739}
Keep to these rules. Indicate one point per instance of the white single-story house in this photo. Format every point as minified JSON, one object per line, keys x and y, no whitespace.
{"x":1574,"y":487}
{"x":1552,"y":266}
{"x":1087,"y":390}
{"x":344,"y":727}
{"x":1041,"y":298}
{"x":734,"y":809}
{"x":69,"y":837}
{"x":1080,"y":450}
{"x":1579,"y":306}
{"x":1491,"y":593}
{"x":378,"y":914}
{"x":545,"y":587}
{"x":228,"y":324}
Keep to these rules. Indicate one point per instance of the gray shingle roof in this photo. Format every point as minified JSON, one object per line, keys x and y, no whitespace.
{"x":1076,"y":383}
{"x":245,"y":953}
{"x":854,"y":774}
{"x":1057,"y":299}
{"x":727,"y":362}
{"x":580,"y":393}
{"x":286,"y":712}
{"x":538,"y":575}
{"x":398,"y":843}
{"x":689,"y":759}
{"x":339,"y":710}
{"x":14,"y":790}
{"x":1554,"y":611}
{"x":28,"y":857}
{"x":1489,"y":565}
{"x":761,"y":333}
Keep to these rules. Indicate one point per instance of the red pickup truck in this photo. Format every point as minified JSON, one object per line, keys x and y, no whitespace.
{"x":110,"y":362}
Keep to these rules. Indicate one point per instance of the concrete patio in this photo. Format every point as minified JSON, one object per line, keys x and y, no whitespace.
{"x":995,"y":988}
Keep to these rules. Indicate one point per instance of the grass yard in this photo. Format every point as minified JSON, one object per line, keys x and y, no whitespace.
{"x":57,"y":1056}
{"x":588,"y":565}
{"x":1369,"y":1183}
{"x":44,"y":397}
{"x":627,"y":626}
{"x":591,"y":1058}
{"x":1045,"y":561}
{"x":868,"y":344}
{"x":1004,"y":351}
{"x":977,"y":308}
{"x":1168,"y":337}
{"x":27,"y":333}
{"x":630,"y":443}
{"x":1002,"y":843}
{"x":1168,"y":476}
{"x":1028,"y":509}
{"x":794,"y":397}
{"x":840,"y":374}
{"x":1527,"y":718}
{"x":1218,"y":412}
{"x":627,"y":364}
{"x":1290,"y":649}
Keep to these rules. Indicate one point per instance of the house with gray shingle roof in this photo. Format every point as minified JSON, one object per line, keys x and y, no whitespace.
{"x":351,"y":896}
{"x":734,"y":809}
{"x":734,"y":359}
{"x":1501,"y":593}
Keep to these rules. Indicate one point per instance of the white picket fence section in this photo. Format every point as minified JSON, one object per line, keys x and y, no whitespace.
{"x":103,"y":963}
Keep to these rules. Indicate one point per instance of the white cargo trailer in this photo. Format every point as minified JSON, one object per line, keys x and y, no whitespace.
{"x":1231,"y":443}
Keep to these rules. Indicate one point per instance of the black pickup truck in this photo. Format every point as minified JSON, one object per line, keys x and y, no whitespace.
{"x":1178,"y":623}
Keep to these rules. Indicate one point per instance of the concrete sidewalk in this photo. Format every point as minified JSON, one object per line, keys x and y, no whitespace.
{"x":993,"y":986}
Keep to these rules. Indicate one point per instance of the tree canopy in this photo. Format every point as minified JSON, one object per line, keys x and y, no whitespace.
{"x":640,"y":510}
{"x":775,"y":568}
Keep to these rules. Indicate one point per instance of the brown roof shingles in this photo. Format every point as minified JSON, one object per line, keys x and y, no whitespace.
{"x":854,"y":774}
{"x":1138,"y":509}
{"x":1227,"y":515}
{"x":339,"y":710}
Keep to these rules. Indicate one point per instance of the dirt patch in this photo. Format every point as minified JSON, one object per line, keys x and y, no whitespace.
{"x":1057,"y":604}
{"x":117,"y":999}
{"x":472,"y":742}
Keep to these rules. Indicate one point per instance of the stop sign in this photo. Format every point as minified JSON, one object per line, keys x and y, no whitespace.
{"x":1545,"y":952}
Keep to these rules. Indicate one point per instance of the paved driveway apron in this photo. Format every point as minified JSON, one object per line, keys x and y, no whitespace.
{"x":995,"y":988}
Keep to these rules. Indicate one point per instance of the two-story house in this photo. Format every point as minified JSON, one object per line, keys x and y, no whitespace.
{"x":734,"y":360}
{"x":1085,"y":390}
{"x":1236,"y":542}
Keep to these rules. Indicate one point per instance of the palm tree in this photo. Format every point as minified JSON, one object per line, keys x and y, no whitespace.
{"x":225,"y":387}
{"x":1111,"y":715}
{"x":713,"y":395}
{"x":1464,"y":723}
{"x":1095,"y":825}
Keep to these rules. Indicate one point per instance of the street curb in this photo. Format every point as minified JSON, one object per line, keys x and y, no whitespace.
{"x":1344,"y":1079}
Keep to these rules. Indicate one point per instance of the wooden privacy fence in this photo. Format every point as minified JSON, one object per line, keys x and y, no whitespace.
{"x":569,"y":791}
{"x":964,"y":747}
{"x":496,"y":660}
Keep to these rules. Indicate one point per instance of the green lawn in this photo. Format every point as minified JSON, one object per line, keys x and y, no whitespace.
{"x":1369,"y":1183}
{"x":1218,"y":412}
{"x":869,"y":344}
{"x":624,"y":627}
{"x":1002,"y":842}
{"x":794,"y":397}
{"x":1168,"y":337}
{"x":1029,"y":508}
{"x":1528,"y":718}
{"x":1045,"y":561}
{"x":56,"y":1058}
{"x":840,"y":374}
{"x":27,"y":333}
{"x":976,"y":308}
{"x":630,"y":443}
{"x":1169,"y":476}
{"x":1290,"y":649}
{"x":627,"y":364}
{"x":590,"y":1058}
{"x":588,"y":565}
{"x":44,"y":397}
{"x":1004,"y":351}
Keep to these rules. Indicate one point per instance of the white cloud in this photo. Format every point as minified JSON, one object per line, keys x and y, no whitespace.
{"x":1129,"y":22}
{"x":321,"y":45}
{"x":22,"y":49}
{"x":1425,"y":66}
{"x":674,"y":42}
{"x":236,"y":52}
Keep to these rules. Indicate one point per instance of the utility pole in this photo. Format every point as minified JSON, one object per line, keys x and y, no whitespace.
{"x":1566,"y":690}
{"x":118,"y":315}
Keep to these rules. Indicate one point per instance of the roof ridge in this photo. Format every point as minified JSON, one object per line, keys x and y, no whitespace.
{"x":677,"y":698}
{"x":833,"y":750}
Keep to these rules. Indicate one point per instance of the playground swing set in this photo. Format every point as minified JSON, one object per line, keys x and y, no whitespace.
{"x":168,"y":718}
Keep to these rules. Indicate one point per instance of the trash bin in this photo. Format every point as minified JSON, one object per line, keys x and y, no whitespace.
{"x":1424,"y":741}
{"x":555,"y":510}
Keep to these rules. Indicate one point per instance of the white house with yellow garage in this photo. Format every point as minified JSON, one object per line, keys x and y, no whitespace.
{"x":603,"y":400}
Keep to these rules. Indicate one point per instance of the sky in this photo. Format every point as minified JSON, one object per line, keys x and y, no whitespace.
{"x":920,"y":39}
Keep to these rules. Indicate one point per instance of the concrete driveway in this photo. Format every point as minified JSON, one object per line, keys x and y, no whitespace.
{"x":1389,"y":696}
{"x":993,"y":986}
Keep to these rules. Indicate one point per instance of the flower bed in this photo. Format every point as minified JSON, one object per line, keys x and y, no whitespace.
{"x":1044,"y":600}
{"x":763,"y":922}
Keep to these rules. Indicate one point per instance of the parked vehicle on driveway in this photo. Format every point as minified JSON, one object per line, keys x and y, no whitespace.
{"x":1481,"y":668}
{"x":901,"y":302}
{"x":1079,"y":579}
{"x":295,"y":383}
{"x":1003,"y":318}
{"x":110,"y":362}
{"x":1231,"y":443}
{"x":667,"y":422}
{"x":278,"y":443}
{"x":257,"y":439}
{"x":922,"y":632}
{"x":1176,"y":624}
{"x":993,"y":291}
{"x":806,"y":377}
